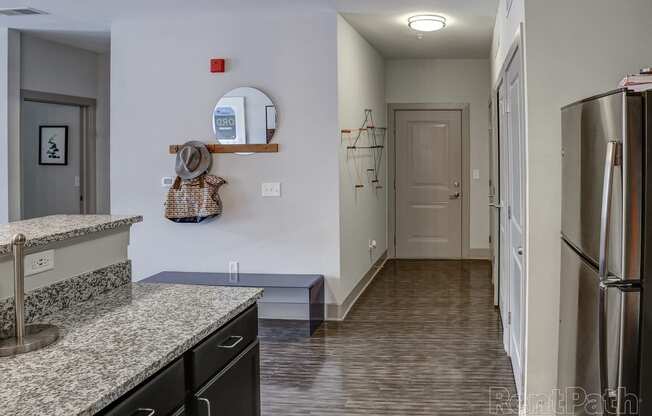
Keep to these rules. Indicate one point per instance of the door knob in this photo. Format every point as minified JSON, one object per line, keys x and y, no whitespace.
{"x":456,"y":195}
{"x":456,"y":184}
{"x":519,"y":251}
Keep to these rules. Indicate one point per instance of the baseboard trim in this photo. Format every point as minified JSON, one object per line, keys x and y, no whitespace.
{"x":479,"y":254}
{"x":336,"y":312}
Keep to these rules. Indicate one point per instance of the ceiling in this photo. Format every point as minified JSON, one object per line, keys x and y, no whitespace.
{"x":86,"y":24}
{"x":383,"y":23}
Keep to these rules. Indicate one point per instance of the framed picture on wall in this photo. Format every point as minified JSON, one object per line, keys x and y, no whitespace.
{"x":53,"y":145}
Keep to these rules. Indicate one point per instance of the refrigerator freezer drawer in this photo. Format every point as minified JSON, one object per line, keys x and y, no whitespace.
{"x":579,"y":343}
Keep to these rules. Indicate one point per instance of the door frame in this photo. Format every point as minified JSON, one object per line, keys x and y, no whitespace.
{"x":504,"y":275}
{"x":464,"y":108}
{"x":87,"y":174}
{"x":494,"y":197}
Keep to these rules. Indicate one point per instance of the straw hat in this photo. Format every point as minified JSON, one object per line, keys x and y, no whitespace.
{"x":193,"y":160}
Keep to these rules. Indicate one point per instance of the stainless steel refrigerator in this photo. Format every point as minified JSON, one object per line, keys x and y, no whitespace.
{"x":605,"y":362}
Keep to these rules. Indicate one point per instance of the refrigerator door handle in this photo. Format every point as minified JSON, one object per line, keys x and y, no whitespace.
{"x":603,"y":273}
{"x":605,"y":213}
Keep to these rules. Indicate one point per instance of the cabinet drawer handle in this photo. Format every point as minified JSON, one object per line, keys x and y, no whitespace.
{"x":139,"y":411}
{"x":208,"y":405}
{"x":238,"y":339}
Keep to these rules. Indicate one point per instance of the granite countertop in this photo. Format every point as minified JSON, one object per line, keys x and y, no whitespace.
{"x":112,"y":343}
{"x":45,"y":230}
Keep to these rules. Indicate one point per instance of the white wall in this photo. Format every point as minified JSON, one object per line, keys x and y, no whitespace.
{"x":453,"y":81}
{"x":505,"y":31}
{"x":363,"y":212}
{"x":162,"y":93}
{"x":572,"y":55}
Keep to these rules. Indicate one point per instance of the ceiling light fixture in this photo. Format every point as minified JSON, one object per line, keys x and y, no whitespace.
{"x":427,"y":22}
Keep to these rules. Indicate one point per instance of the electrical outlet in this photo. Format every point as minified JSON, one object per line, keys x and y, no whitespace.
{"x":476,"y":174}
{"x":372,"y":244}
{"x":234,"y":271}
{"x":271,"y":189}
{"x":39,"y":262}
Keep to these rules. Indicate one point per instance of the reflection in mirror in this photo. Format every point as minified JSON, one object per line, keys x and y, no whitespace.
{"x":244,"y":116}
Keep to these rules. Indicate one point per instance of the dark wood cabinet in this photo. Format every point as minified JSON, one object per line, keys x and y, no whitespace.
{"x":163,"y":394}
{"x":234,"y":391}
{"x":219,"y":376}
{"x":218,"y":350}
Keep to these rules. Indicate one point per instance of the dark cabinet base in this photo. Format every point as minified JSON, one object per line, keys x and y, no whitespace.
{"x":234,"y":391}
{"x":219,"y":376}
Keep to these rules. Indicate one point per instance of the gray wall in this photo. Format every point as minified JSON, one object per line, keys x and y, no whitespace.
{"x":162,"y":93}
{"x":52,"y":67}
{"x":103,"y":138}
{"x":457,"y":81}
{"x":49,"y":189}
{"x":9,"y":124}
{"x":363,"y":212}
{"x":60,"y":69}
{"x":4,"y":131}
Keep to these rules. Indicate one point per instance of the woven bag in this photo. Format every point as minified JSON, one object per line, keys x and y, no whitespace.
{"x":194,"y":200}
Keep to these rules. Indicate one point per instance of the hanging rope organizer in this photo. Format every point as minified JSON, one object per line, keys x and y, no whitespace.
{"x":364,"y":151}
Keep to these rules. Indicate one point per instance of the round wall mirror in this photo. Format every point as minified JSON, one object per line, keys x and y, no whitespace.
{"x":244,"y":116}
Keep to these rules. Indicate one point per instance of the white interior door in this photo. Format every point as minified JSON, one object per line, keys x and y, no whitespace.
{"x":429,"y":184}
{"x":516,"y":212}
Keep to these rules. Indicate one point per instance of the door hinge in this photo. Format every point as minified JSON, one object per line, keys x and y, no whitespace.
{"x":489,"y":239}
{"x":509,"y":212}
{"x":509,"y":318}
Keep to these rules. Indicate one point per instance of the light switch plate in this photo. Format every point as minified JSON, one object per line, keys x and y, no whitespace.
{"x":167,"y":181}
{"x":39,"y":262}
{"x":271,"y":189}
{"x":476,"y":174}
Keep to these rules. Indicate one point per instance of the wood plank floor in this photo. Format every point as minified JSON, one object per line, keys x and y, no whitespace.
{"x":424,"y":339}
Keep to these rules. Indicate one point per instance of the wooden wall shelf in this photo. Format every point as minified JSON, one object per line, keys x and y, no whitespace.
{"x":234,"y":148}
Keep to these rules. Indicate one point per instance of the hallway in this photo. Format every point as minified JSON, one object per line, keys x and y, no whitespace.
{"x":423,"y":339}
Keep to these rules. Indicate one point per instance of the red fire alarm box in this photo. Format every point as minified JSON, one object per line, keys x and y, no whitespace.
{"x":218,"y":65}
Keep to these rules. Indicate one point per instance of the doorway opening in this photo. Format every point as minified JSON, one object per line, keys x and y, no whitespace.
{"x":57,"y":148}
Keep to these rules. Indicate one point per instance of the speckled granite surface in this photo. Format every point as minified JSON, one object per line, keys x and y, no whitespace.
{"x":112,"y":343}
{"x":47,"y":300}
{"x":44,"y":230}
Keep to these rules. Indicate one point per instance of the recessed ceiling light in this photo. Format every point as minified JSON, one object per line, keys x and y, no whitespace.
{"x":427,"y":22}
